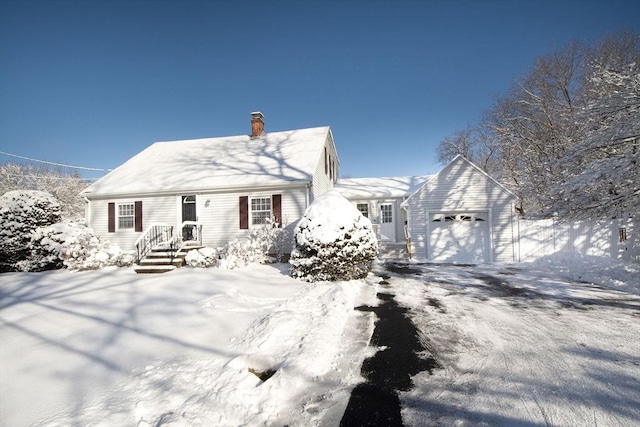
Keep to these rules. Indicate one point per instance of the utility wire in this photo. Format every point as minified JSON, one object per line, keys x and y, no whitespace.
{"x":55,"y":164}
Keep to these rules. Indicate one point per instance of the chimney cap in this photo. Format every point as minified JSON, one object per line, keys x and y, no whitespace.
{"x":257,"y":114}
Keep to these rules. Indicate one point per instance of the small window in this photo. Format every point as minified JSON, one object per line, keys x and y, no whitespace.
{"x":364,"y":209}
{"x":260,"y":210}
{"x":622,"y":233}
{"x":465,"y":217}
{"x":449,"y":218}
{"x":125,"y":215}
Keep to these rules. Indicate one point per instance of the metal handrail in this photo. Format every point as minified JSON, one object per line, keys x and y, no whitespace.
{"x":156,"y":234}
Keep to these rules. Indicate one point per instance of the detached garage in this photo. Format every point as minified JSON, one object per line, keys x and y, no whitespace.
{"x":461,"y":214}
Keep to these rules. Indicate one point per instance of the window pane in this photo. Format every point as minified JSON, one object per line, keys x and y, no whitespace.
{"x":125,"y":215}
{"x":387,"y":216}
{"x":364,"y":209}
{"x":260,"y":210}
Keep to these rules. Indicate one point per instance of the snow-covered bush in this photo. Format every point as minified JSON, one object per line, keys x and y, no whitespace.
{"x":74,"y":246}
{"x":333,"y":241}
{"x":21,"y":213}
{"x":202,"y":258}
{"x":261,"y":241}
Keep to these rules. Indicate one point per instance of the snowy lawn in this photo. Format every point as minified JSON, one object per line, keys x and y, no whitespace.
{"x":114,"y":348}
{"x":520,"y":344}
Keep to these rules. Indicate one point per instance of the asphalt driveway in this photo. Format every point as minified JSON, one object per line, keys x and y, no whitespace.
{"x":505,"y":345}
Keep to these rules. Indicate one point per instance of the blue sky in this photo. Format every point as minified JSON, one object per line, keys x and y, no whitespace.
{"x":92,"y":83}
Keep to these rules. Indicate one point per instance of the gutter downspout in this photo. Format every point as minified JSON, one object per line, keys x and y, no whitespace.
{"x":307,"y":195}
{"x":87,"y":212}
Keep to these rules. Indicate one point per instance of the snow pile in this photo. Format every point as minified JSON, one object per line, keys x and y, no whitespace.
{"x":333,"y":241}
{"x":284,"y":358}
{"x":74,"y":246}
{"x":604,"y":271}
{"x":202,"y":258}
{"x":21,"y":213}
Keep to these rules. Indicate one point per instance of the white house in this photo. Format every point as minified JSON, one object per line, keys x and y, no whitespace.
{"x":211,"y":190}
{"x":208,"y":191}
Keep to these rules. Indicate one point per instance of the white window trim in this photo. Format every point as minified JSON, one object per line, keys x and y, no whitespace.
{"x":251,"y":211}
{"x":368,"y":215}
{"x":119,"y":216}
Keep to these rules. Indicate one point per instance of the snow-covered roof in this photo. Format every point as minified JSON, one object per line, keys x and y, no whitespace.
{"x":275,"y":158}
{"x":376,"y":188}
{"x":457,"y":158}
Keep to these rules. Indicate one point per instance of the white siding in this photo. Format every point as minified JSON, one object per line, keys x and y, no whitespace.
{"x":154,"y":210}
{"x":322,"y":181}
{"x":460,"y":187}
{"x":219,"y":214}
{"x":399,"y":214}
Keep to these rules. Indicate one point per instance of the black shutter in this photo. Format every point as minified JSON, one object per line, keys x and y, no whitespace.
{"x":276,"y":201}
{"x":244,"y":212}
{"x":137,"y":219}
{"x":111,"y":212}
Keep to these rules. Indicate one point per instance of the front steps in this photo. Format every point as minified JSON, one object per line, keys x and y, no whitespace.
{"x":160,"y":260}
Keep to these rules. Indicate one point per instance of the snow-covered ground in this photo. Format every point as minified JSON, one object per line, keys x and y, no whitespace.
{"x":523,"y":344}
{"x":526,"y":344}
{"x":110,"y":347}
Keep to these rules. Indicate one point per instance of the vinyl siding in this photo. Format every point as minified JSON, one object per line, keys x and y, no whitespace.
{"x":459,"y":187}
{"x":154,"y":210}
{"x":399,"y":214}
{"x":322,"y":181}
{"x":217,"y":212}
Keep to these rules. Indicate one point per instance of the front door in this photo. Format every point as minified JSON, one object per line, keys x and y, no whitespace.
{"x":189,"y":213}
{"x":387,"y":222}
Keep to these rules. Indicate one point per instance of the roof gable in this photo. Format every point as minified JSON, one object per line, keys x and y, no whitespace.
{"x":468,"y":163}
{"x":275,"y":158}
{"x":377,"y":188}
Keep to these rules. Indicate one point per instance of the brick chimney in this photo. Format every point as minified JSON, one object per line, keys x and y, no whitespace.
{"x":257,"y":124}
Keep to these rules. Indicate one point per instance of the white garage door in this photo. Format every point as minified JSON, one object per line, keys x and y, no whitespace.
{"x":459,"y":237}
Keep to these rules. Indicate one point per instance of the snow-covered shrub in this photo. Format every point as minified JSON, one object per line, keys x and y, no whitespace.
{"x":21,"y":213}
{"x":74,"y":246}
{"x":202,"y":258}
{"x":333,"y":241}
{"x":262,"y":240}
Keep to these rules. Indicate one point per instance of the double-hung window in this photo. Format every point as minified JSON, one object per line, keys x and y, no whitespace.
{"x":364,"y":209}
{"x":126,"y":215}
{"x":260,"y":210}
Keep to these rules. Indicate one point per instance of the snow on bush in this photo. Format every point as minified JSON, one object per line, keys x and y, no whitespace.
{"x":21,"y":213}
{"x":202,"y":258}
{"x":74,"y":246}
{"x":239,"y":253}
{"x":333,"y":241}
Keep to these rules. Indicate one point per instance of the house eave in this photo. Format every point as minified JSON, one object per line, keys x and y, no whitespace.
{"x":200,"y":190}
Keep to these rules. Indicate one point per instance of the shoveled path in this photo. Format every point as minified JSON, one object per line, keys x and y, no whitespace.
{"x":402,"y":355}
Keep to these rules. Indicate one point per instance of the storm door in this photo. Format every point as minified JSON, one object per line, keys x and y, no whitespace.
{"x":387,"y":223}
{"x":189,"y":213}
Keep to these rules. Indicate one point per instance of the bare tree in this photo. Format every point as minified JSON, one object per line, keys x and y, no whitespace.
{"x":63,"y":186}
{"x":564,"y":137}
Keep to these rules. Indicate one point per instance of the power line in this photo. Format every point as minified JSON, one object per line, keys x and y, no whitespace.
{"x":55,"y":164}
{"x":48,"y":177}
